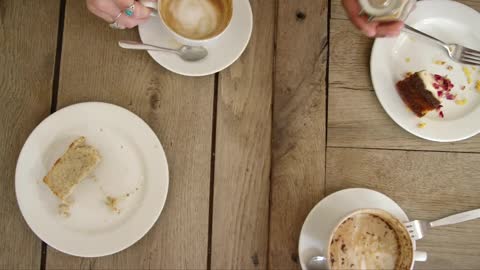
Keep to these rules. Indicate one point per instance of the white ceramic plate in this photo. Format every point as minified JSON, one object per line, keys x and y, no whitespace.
{"x":222,"y":52}
{"x":133,"y":163}
{"x":449,"y":21}
{"x":328,"y":212}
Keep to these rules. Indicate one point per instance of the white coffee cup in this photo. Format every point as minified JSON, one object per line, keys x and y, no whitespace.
{"x":155,"y":5}
{"x":408,"y":244}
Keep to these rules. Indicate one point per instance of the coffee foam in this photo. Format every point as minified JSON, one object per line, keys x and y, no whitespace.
{"x":195,"y":19}
{"x":368,"y":241}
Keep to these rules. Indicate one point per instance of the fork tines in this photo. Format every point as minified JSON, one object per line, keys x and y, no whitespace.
{"x":470,"y":56}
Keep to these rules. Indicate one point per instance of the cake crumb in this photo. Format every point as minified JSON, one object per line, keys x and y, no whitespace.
{"x":421,"y":125}
{"x":461,"y":101}
{"x":449,"y":67}
{"x":462,"y":87}
{"x":64,"y":209}
{"x":439,"y":62}
{"x":112,"y":203}
{"x":408,"y":59}
{"x":408,"y":74}
{"x":477,"y":86}
{"x":468,"y":74}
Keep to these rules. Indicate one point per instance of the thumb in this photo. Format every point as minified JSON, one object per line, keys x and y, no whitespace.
{"x":141,"y":12}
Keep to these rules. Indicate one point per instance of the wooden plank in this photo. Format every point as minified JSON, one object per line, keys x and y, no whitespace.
{"x":349,"y":57}
{"x":242,"y":157}
{"x":179,"y":109}
{"x":356,"y":118}
{"x":298,"y":151}
{"x":339,"y":13}
{"x":28,"y":33}
{"x":428,"y":186}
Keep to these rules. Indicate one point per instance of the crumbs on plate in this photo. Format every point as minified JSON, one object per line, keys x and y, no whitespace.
{"x":112,"y":203}
{"x":461,"y":101}
{"x":408,"y":59}
{"x":468,"y":74}
{"x":64,"y":209}
{"x":439,"y":62}
{"x":477,"y":86}
{"x":449,"y":67}
{"x":421,"y":125}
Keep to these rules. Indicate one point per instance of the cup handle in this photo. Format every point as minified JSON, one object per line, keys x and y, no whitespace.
{"x":317,"y":263}
{"x":153,"y":5}
{"x":420,"y":256}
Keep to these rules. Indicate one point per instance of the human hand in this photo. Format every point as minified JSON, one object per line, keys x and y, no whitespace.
{"x":116,"y":12}
{"x":370,"y":29}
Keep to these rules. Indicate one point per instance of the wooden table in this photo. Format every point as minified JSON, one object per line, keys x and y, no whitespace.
{"x":251,"y":149}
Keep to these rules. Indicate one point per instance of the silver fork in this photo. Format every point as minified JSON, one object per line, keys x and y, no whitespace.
{"x":456,"y":52}
{"x":418,"y":228}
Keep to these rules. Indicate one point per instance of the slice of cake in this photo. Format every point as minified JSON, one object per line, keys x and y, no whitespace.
{"x":419,"y":92}
{"x":78,"y":161}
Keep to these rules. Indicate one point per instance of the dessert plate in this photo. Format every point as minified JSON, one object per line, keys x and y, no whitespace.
{"x":328,"y":212}
{"x":392,"y":58}
{"x":222,"y":52}
{"x":133,"y":171}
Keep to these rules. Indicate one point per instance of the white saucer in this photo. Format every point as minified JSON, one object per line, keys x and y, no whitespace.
{"x":222,"y":52}
{"x":328,"y":212}
{"x":133,"y":163}
{"x":452,"y":22}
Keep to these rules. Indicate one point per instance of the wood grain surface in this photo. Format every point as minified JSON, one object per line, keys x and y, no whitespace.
{"x":275,"y":153}
{"x":356,"y":118}
{"x":179,"y":109}
{"x":299,"y":118}
{"x":428,"y":186}
{"x":27,"y":59}
{"x":242,"y":156}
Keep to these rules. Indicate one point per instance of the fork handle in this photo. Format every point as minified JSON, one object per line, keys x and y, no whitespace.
{"x":415,"y":31}
{"x":457,"y":218}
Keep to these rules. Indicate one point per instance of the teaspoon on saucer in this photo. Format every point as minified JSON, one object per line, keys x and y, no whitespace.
{"x":187,"y":53}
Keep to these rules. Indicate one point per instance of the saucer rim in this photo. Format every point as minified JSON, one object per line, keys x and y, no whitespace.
{"x":403,"y":217}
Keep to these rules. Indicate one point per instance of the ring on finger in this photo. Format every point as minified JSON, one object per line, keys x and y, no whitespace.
{"x":115,"y":24}
{"x":130,"y":11}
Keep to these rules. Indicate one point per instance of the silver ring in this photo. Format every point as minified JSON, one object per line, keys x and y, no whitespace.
{"x":115,"y":24}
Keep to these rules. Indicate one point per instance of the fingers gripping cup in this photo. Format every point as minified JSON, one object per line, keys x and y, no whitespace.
{"x":193,"y":22}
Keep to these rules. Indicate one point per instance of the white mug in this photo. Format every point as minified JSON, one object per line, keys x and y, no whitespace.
{"x":155,"y":6}
{"x":419,"y":256}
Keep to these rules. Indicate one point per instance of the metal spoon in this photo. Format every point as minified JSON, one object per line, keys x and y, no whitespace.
{"x":317,"y":263}
{"x":187,"y":53}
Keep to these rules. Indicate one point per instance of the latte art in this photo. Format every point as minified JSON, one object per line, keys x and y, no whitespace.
{"x":197,"y":19}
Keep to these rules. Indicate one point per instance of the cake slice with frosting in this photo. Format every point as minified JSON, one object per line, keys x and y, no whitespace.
{"x":421,"y":92}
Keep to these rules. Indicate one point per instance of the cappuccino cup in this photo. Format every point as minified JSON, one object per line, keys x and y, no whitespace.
{"x":193,"y":22}
{"x":371,"y":239}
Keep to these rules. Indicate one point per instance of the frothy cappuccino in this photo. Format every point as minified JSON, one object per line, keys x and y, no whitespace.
{"x":370,"y":239}
{"x":196,"y":19}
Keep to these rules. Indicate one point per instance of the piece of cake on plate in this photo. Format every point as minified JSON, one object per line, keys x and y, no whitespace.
{"x":78,"y":161}
{"x":421,"y":91}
